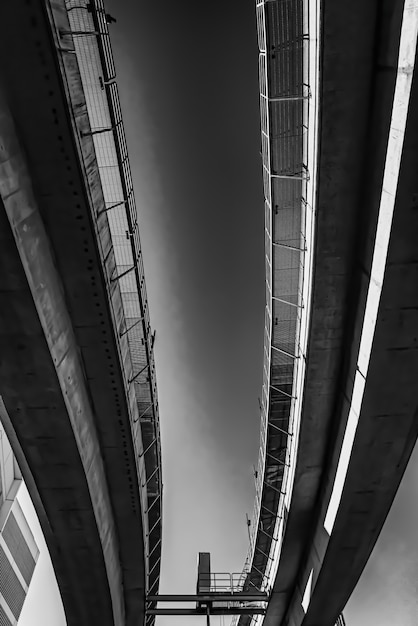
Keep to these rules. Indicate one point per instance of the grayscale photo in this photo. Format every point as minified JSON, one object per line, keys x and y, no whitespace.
{"x":208,"y":313}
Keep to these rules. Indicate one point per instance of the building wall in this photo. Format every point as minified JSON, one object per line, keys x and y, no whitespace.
{"x":18,"y":550}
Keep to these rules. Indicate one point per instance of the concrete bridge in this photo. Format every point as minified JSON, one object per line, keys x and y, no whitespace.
{"x":77,"y":377}
{"x":338,"y":103}
{"x":339,"y":403}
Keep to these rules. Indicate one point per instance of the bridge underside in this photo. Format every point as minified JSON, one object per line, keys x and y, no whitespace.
{"x":44,"y":440}
{"x":62,"y":367}
{"x":360,"y":44}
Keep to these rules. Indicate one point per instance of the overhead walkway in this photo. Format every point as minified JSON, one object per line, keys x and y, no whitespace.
{"x":77,"y":373}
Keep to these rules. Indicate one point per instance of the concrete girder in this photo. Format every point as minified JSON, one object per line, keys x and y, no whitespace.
{"x":55,"y":166}
{"x":45,"y":393}
{"x":358,"y":70}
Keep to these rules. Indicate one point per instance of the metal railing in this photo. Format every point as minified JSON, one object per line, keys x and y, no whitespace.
{"x":90,"y":34}
{"x":217,"y":582}
{"x":288,"y":77}
{"x":288,"y":109}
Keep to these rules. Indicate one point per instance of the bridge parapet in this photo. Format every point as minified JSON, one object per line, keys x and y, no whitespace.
{"x":88,"y":37}
{"x":287,"y":38}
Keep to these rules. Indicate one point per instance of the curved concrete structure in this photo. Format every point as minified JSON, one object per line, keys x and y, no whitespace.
{"x":347,"y":91}
{"x":318,"y":562}
{"x":386,"y":428}
{"x":66,"y":375}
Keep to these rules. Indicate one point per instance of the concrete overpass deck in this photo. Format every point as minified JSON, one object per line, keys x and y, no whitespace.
{"x":310,"y":565}
{"x":77,"y":373}
{"x":375,"y":399}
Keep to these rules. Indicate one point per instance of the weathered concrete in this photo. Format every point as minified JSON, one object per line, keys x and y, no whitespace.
{"x":63,"y":371}
{"x":388,"y":425}
{"x":359,"y":53}
{"x":44,"y":387}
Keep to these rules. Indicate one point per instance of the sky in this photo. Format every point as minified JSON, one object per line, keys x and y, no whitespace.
{"x":187,"y":76}
{"x":188,"y":83}
{"x":387,"y":592}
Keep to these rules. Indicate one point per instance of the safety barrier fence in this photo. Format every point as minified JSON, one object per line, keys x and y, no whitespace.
{"x":288,"y":37}
{"x":287,"y":42}
{"x":90,"y":33}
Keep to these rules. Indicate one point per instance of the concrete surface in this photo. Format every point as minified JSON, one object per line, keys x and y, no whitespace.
{"x":359,"y":53}
{"x":63,"y":371}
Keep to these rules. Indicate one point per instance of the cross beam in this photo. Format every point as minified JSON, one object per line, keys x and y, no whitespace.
{"x":239,"y":596}
{"x":213,"y":611}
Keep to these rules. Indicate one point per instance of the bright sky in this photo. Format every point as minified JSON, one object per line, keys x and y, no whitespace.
{"x":387,"y":593}
{"x":189,"y":92}
{"x":188,"y":86}
{"x":188,"y":83}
